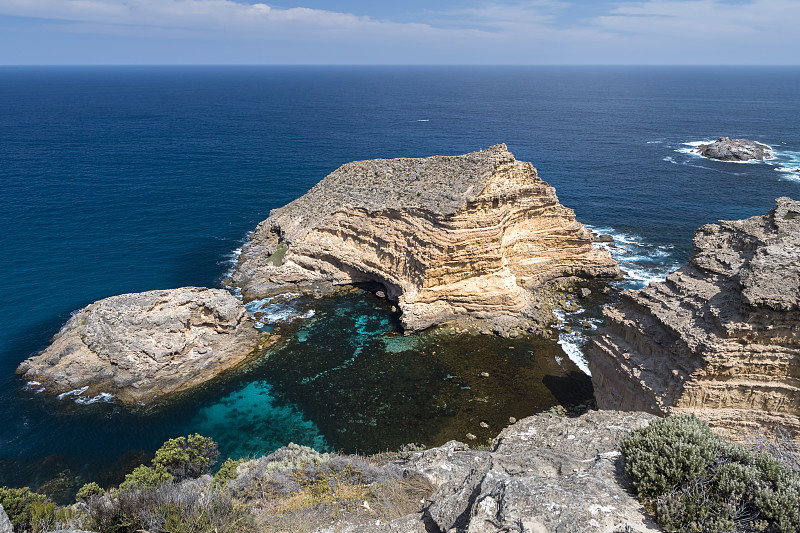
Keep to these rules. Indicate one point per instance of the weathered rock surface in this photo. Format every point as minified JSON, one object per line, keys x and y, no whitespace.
{"x":543,"y":474}
{"x":727,"y":149}
{"x":142,"y":346}
{"x":5,"y":523}
{"x":720,"y":337}
{"x":448,"y":236}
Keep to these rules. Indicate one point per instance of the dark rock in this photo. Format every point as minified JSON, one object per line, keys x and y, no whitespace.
{"x":727,"y":149}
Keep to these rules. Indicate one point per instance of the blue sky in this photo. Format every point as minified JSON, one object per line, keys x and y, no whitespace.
{"x":537,"y":32}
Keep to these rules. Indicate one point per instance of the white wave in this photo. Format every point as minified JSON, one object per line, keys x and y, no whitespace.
{"x":34,"y":386}
{"x":571,"y":344}
{"x":102,"y":397}
{"x":423,"y":120}
{"x":232,"y":259}
{"x":75,"y":392}
{"x":655,"y":142}
{"x":640,"y":261}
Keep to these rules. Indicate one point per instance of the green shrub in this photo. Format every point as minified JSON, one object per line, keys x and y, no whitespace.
{"x":187,"y":457}
{"x":19,"y":505}
{"x":89,"y":490}
{"x":227,"y":471}
{"x":144,"y":477}
{"x":668,"y":452}
{"x":692,"y":491}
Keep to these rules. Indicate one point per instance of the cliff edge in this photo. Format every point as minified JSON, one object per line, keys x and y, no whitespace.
{"x":449,"y":237}
{"x":720,"y":337}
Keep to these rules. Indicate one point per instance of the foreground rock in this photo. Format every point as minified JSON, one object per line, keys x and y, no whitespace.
{"x":720,"y":337}
{"x":5,"y":523}
{"x":543,"y":474}
{"x":142,"y":346}
{"x":476,"y":235}
{"x":727,"y":149}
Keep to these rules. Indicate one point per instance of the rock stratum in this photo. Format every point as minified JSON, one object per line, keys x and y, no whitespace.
{"x":720,"y":337}
{"x":142,"y":346}
{"x":727,"y":149}
{"x":449,"y":237}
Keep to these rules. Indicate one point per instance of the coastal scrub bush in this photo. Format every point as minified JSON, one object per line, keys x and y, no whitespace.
{"x":89,"y":490}
{"x":30,"y":511}
{"x":144,"y":477}
{"x":667,"y":452}
{"x":227,"y":471}
{"x":18,"y":504}
{"x":187,"y":457}
{"x":169,"y":508}
{"x":700,"y":483}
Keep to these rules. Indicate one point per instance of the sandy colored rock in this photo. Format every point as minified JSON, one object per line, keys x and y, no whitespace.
{"x":142,"y":346}
{"x":727,"y":149}
{"x":720,"y":337}
{"x":5,"y":523}
{"x":475,"y":235}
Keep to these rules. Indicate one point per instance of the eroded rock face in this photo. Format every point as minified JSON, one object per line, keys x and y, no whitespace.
{"x":727,"y":149}
{"x":543,"y":474}
{"x":5,"y":523}
{"x":142,"y":346}
{"x":720,"y":337}
{"x":449,"y":237}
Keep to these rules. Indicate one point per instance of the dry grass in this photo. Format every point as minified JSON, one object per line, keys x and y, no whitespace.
{"x":345,"y":489}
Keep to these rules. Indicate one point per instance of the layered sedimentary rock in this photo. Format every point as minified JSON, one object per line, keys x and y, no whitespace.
{"x":720,"y":337}
{"x":142,"y":346}
{"x":727,"y":149}
{"x":448,"y":236}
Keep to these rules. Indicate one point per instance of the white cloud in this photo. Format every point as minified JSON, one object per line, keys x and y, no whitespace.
{"x":521,"y":31}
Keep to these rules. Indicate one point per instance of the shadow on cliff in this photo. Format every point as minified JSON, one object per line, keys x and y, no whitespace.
{"x":572,"y":390}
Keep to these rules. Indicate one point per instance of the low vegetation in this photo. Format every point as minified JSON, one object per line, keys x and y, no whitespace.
{"x":293,"y":489}
{"x":694,"y":481}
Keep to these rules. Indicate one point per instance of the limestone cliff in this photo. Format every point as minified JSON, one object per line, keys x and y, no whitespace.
{"x":720,"y":337}
{"x":142,"y":346}
{"x":448,"y":236}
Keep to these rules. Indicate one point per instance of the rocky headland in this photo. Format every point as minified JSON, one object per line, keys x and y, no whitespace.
{"x":142,"y":346}
{"x":720,"y":337}
{"x":475,"y":236}
{"x":727,"y":149}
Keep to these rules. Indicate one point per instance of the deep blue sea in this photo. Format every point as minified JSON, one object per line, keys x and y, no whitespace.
{"x":124,"y":179}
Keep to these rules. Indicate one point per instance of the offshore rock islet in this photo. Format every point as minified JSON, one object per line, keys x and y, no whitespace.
{"x":727,"y":149}
{"x":475,"y":236}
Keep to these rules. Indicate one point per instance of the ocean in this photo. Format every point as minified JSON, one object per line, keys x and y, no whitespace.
{"x":126,"y":179}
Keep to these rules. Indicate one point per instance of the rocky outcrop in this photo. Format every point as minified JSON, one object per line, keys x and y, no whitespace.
{"x":142,"y":346}
{"x":5,"y":523}
{"x":727,"y":149}
{"x":543,"y":474}
{"x":720,"y":337}
{"x":474,"y":235}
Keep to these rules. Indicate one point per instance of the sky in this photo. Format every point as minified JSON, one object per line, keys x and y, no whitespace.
{"x":486,"y":32}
